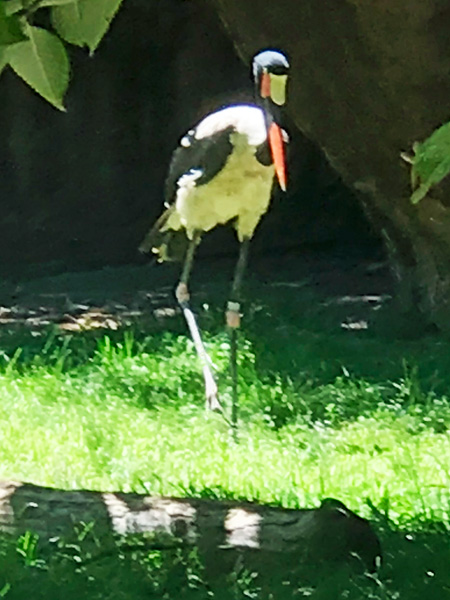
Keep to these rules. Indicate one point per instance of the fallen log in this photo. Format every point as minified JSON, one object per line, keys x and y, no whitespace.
{"x":331,"y":532}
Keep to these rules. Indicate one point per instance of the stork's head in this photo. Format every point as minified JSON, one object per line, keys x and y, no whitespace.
{"x":270,"y":72}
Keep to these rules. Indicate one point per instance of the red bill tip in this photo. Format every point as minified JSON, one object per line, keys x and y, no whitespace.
{"x":277,"y":149}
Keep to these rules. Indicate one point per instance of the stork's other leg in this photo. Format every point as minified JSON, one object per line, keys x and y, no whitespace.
{"x":182,"y":295}
{"x":233,"y":321}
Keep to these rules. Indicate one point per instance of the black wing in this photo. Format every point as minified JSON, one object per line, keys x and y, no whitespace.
{"x":207,"y":155}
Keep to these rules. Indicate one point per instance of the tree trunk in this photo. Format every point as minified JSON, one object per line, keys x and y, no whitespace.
{"x":329,"y":533}
{"x":369,"y":79}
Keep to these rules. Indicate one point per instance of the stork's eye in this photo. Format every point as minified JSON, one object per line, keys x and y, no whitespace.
{"x":278,"y":70}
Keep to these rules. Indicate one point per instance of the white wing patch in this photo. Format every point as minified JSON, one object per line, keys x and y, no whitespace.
{"x":188,"y":179}
{"x":186,"y":139}
{"x":243,"y":118}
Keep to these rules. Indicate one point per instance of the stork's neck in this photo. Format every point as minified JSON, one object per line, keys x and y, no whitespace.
{"x":272,"y":112}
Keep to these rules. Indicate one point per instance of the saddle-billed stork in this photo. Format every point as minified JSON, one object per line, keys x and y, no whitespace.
{"x":223,"y":171}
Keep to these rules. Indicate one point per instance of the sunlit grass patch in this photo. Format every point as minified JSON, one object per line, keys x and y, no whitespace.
{"x":128,"y":414}
{"x":321,"y":415}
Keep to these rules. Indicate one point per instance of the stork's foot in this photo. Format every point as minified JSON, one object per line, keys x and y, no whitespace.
{"x":211,"y":391}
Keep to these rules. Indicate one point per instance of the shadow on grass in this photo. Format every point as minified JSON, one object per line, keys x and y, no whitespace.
{"x":297,"y":339}
{"x":304,"y":333}
{"x":297,"y":331}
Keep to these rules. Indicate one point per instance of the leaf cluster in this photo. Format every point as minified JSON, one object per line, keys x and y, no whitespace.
{"x":38,"y":55}
{"x":430,"y":163}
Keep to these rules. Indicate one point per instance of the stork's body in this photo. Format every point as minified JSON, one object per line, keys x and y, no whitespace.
{"x":223,"y":171}
{"x":240,"y":190}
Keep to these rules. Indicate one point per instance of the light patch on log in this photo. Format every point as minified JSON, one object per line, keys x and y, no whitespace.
{"x":160,"y":515}
{"x":7,"y":519}
{"x":243,"y":528}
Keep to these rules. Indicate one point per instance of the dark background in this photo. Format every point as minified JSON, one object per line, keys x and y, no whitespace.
{"x":80,"y":189}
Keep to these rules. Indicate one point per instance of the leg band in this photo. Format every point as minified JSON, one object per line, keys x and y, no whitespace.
{"x":182,"y":293}
{"x":233,"y":314}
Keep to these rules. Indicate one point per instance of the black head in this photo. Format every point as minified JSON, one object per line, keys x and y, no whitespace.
{"x":270,"y":71}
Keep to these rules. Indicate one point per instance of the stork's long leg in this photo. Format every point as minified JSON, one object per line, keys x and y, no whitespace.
{"x":182,"y":295}
{"x":233,"y":321}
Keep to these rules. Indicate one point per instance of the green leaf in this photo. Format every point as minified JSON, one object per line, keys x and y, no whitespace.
{"x":30,"y":6}
{"x":42,"y":62}
{"x":84,"y":22}
{"x":43,"y":3}
{"x":12,"y":6}
{"x":431,"y":162}
{"x":10,"y":29}
{"x":3,"y":59}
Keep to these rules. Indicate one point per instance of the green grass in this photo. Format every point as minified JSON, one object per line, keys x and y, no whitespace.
{"x":324,"y":413}
{"x":129,"y":415}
